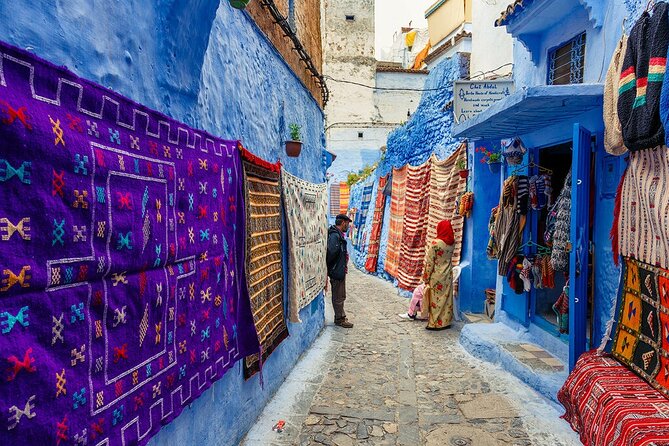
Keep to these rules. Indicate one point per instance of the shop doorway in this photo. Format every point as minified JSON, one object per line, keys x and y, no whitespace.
{"x":558,"y":159}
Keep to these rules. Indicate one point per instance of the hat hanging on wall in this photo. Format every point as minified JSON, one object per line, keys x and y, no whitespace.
{"x":513,"y":150}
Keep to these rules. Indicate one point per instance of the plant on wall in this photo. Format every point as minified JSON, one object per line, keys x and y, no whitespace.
{"x":493,"y":158}
{"x":294,"y":145}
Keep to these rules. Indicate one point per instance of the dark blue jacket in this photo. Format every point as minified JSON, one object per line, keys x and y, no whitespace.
{"x":337,"y":256}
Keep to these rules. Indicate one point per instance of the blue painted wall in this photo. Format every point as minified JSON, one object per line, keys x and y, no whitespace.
{"x":478,"y":272}
{"x":210,"y":66}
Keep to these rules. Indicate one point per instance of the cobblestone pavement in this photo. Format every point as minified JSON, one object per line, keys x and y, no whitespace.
{"x":391,"y":382}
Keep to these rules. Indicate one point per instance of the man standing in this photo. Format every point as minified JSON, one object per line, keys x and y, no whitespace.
{"x":337,"y":262}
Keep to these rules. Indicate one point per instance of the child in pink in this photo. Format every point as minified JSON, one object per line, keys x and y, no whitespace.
{"x":416,"y":303}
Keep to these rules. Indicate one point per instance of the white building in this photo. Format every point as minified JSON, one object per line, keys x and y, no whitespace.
{"x":368,"y":99}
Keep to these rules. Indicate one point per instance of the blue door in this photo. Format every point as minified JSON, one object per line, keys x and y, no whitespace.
{"x":580,"y":240}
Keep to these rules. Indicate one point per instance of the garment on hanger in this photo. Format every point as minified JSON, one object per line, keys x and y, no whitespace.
{"x":562,"y":228}
{"x":613,"y":131}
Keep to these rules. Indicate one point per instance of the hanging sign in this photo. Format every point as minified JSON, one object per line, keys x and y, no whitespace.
{"x":473,"y":97}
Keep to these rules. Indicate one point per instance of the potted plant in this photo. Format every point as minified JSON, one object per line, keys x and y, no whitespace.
{"x":493,"y":158}
{"x":461,"y":164}
{"x":294,"y":145}
{"x":239,"y":4}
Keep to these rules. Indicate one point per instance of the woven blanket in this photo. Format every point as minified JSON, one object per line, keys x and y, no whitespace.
{"x":414,"y":226}
{"x":642,"y":338}
{"x":264,"y":267}
{"x":344,"y":197}
{"x":446,"y":186}
{"x":123,"y":290}
{"x":642,"y":230}
{"x":335,"y":201}
{"x":396,"y":220}
{"x":377,"y":226}
{"x":361,"y":216}
{"x":306,"y":217}
{"x":609,"y":405}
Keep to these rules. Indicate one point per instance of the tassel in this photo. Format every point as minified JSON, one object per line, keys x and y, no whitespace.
{"x":614,"y":235}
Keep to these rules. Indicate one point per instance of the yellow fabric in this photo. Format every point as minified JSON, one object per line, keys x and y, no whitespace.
{"x":410,"y":38}
{"x":438,"y":276}
{"x":420,"y":58}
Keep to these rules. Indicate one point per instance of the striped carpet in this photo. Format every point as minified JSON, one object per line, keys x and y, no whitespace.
{"x":607,"y":404}
{"x":414,"y":231}
{"x":446,"y":186}
{"x":396,"y":220}
{"x":335,"y":202}
{"x":377,"y":225}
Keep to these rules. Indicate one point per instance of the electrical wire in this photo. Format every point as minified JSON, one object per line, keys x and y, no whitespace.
{"x":445,"y":87}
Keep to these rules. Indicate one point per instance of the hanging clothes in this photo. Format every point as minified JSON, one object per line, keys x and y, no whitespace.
{"x":613,"y":131}
{"x":492,"y":248}
{"x":562,"y":228}
{"x":561,"y":309}
{"x":641,"y":80}
{"x":509,"y":225}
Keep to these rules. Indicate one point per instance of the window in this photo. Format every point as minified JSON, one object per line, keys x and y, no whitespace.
{"x":350,"y":18}
{"x":361,"y":135}
{"x":566,"y":63}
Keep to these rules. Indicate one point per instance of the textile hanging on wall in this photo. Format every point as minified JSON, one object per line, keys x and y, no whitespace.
{"x":414,"y":232}
{"x":124,"y":297}
{"x":446,"y":186}
{"x":377,"y":222}
{"x":344,"y":197}
{"x":642,"y":224}
{"x":608,"y":405}
{"x":361,"y":216}
{"x":306,"y":218}
{"x":335,"y":200}
{"x":264,"y":266}
{"x":397,"y":202}
{"x":643,"y":322}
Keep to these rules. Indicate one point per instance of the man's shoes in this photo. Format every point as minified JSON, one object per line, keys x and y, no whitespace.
{"x":344,"y":324}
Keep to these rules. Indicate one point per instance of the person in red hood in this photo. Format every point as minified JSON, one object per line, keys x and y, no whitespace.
{"x":438,"y":275}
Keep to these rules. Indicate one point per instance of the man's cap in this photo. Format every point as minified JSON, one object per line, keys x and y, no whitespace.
{"x":343,"y":217}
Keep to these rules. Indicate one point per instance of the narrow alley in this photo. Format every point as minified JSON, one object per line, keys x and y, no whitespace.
{"x":389,"y":381}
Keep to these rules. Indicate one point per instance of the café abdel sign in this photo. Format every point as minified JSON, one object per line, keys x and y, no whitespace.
{"x":473,"y":97}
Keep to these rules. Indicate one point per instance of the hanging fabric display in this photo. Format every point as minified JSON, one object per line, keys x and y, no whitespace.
{"x":124,"y":297}
{"x":344,"y":197}
{"x":264,"y":266}
{"x":446,"y":185}
{"x":466,"y":204}
{"x":377,"y":222}
{"x":561,"y":309}
{"x":558,"y":228}
{"x":641,"y":80}
{"x":642,"y":219}
{"x":362,"y":215}
{"x":335,"y":201}
{"x":306,"y":218}
{"x":491,"y":249}
{"x":640,"y":341}
{"x":414,"y":226}
{"x":397,"y":209}
{"x":613,"y":131}
{"x":509,"y":225}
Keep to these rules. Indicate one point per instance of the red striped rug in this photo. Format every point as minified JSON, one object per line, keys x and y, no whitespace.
{"x":397,"y":208}
{"x":412,"y":250}
{"x":607,"y":404}
{"x":377,"y":224}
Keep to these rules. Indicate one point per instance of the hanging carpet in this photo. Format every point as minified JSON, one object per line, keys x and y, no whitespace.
{"x":446,"y":186}
{"x":344,"y":197}
{"x":361,"y":216}
{"x":642,"y":223}
{"x":123,"y":290}
{"x":397,"y":202}
{"x":377,"y":223}
{"x":335,"y":200}
{"x":264,"y":266}
{"x":414,"y":232}
{"x":306,"y":218}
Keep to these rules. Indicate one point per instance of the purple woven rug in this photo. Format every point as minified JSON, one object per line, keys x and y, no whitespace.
{"x":122,"y":282}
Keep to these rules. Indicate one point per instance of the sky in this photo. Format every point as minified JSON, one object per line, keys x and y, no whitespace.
{"x":391,"y":15}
